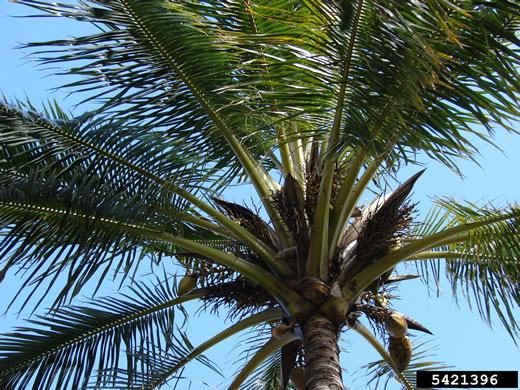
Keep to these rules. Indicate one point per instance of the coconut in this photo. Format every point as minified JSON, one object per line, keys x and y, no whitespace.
{"x":400,"y":350}
{"x":186,"y":284}
{"x":381,"y":301}
{"x":396,"y":325}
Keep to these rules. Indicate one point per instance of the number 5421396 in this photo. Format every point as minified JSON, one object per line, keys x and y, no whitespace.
{"x":465,"y":379}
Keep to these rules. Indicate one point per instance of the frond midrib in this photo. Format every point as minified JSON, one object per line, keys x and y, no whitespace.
{"x":105,"y":328}
{"x":39,"y":210}
{"x":78,"y":140}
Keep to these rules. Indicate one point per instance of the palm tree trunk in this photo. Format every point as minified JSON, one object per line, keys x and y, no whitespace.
{"x":322,"y":367}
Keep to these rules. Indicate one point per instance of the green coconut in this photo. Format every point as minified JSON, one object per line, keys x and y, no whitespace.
{"x":400,"y":350}
{"x":186,"y":284}
{"x":396,"y":325}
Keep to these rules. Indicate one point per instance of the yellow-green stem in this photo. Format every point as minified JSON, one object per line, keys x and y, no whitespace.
{"x":204,"y":223}
{"x":343,"y":209}
{"x":317,"y":264}
{"x":285,"y":153}
{"x":318,"y":259}
{"x":457,"y":255}
{"x":436,"y":255}
{"x":296,"y":149}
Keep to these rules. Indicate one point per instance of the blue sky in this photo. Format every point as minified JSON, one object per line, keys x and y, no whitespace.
{"x":462,"y":339}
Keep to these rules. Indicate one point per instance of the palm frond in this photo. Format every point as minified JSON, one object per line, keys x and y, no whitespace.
{"x":266,"y":376}
{"x":34,"y":142}
{"x":416,"y":81}
{"x":52,"y":235}
{"x":353,"y":323}
{"x":144,"y":69}
{"x":160,"y":368}
{"x":270,"y":315}
{"x":66,"y":346}
{"x":79,"y":228}
{"x":154,"y":366}
{"x":441,"y":120}
{"x":68,"y":196}
{"x":485,"y":264}
{"x":283,"y":66}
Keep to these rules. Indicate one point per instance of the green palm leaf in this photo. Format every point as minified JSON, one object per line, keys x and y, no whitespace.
{"x":88,"y":143}
{"x":268,"y":375}
{"x":154,"y":366}
{"x":411,"y":54}
{"x":63,"y":198}
{"x":262,"y":360}
{"x":156,"y":65}
{"x":65,"y":347}
{"x":485,"y":264}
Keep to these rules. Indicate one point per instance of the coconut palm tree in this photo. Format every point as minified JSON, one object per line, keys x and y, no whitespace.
{"x":310,"y":102}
